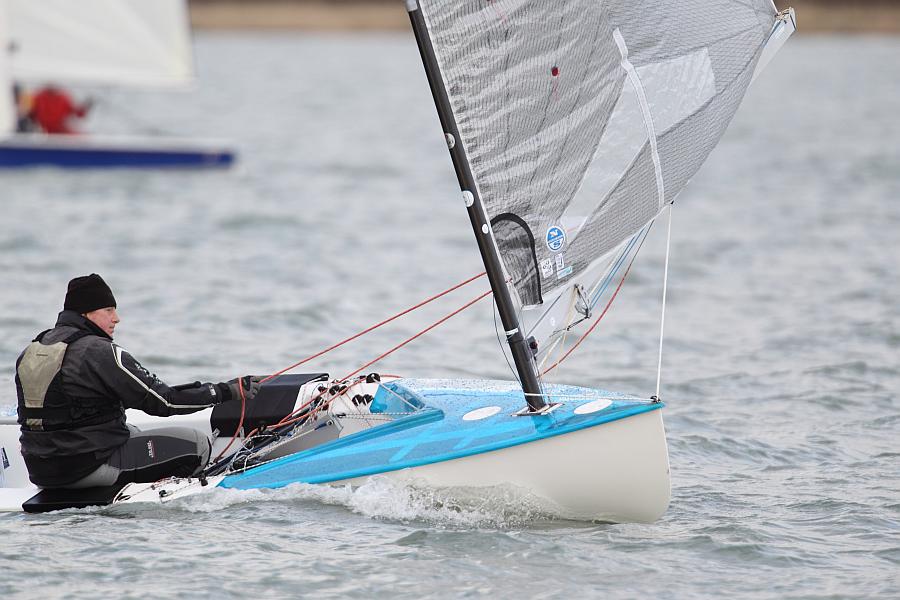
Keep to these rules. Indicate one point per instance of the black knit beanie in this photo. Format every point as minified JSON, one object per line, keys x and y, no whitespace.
{"x":88,"y":293}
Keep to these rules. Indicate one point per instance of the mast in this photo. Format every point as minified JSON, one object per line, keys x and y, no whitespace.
{"x":521,"y":353}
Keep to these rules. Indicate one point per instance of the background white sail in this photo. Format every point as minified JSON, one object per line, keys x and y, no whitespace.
{"x":7,"y":108}
{"x":582,"y":119}
{"x":132,"y":42}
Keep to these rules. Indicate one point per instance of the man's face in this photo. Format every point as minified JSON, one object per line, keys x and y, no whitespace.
{"x":104,"y":318}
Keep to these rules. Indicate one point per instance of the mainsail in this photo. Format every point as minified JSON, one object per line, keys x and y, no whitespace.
{"x":582,"y":120}
{"x":7,"y":108}
{"x":130,"y":42}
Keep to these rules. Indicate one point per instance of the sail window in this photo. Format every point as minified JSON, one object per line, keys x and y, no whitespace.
{"x":516,"y":244}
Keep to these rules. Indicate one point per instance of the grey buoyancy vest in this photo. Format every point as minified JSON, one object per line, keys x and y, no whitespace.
{"x":44,"y":404}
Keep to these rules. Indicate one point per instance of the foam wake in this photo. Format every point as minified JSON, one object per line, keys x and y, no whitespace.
{"x":383,"y":498}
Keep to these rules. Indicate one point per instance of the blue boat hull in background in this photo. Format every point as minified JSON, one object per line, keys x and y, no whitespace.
{"x":88,"y":152}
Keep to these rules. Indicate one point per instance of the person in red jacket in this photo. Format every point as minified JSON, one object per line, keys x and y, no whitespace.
{"x":52,"y":109}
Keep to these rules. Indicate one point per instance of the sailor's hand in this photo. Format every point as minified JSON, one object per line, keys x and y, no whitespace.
{"x":249,"y":384}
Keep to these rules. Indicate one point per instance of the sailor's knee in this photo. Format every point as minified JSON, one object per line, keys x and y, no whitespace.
{"x":204,"y":449}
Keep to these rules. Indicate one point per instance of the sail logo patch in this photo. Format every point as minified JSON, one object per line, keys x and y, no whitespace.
{"x":556,"y":238}
{"x":546,"y":268}
{"x":561,"y":269}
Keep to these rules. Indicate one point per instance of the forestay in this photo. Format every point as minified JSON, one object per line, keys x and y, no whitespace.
{"x":583,"y":119}
{"x":131,"y":42}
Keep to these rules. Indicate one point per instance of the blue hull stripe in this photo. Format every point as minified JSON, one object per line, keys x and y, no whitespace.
{"x":82,"y":158}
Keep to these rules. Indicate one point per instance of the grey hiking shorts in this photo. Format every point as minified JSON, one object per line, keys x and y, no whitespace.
{"x":152,"y":455}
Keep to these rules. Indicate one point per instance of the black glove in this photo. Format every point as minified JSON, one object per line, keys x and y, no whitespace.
{"x":249,"y":383}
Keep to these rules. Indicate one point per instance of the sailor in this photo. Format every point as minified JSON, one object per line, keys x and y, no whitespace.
{"x":74,"y":384}
{"x":53,"y":110}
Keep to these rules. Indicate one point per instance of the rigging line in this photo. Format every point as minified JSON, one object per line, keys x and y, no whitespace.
{"x":291,"y":418}
{"x":662,"y":319}
{"x":314,"y":412}
{"x":501,"y":344}
{"x":600,"y":317}
{"x":287,"y":420}
{"x":267,"y":448}
{"x":301,"y":414}
{"x":373,"y":327}
{"x":604,"y":283}
{"x":561,"y":341}
{"x":596,"y":294}
{"x":240,"y":424}
{"x":421,"y":333}
{"x":361,"y":415}
{"x":298,"y":415}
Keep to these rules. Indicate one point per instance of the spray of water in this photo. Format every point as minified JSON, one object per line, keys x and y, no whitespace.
{"x":386,"y":499}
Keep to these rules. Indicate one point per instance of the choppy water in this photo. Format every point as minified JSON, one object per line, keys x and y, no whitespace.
{"x":781,"y":364}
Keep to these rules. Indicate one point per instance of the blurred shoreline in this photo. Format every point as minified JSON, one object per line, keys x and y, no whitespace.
{"x":813,"y":16}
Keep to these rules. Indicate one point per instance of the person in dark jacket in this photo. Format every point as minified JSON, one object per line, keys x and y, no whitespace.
{"x":74,"y":384}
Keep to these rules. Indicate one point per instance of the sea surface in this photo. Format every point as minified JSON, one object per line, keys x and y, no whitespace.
{"x":781,"y":367}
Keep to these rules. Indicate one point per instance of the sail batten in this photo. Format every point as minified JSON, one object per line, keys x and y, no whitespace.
{"x":583,"y":119}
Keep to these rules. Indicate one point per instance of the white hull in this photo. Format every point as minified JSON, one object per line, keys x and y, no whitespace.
{"x":616,"y":472}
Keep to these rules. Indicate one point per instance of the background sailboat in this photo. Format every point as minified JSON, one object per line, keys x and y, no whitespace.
{"x":106,"y":42}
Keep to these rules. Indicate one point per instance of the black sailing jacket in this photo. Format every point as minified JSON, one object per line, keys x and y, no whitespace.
{"x":99,"y":381}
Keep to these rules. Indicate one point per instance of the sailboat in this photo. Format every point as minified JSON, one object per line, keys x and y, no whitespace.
{"x":106,"y":42}
{"x":572,"y":127}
